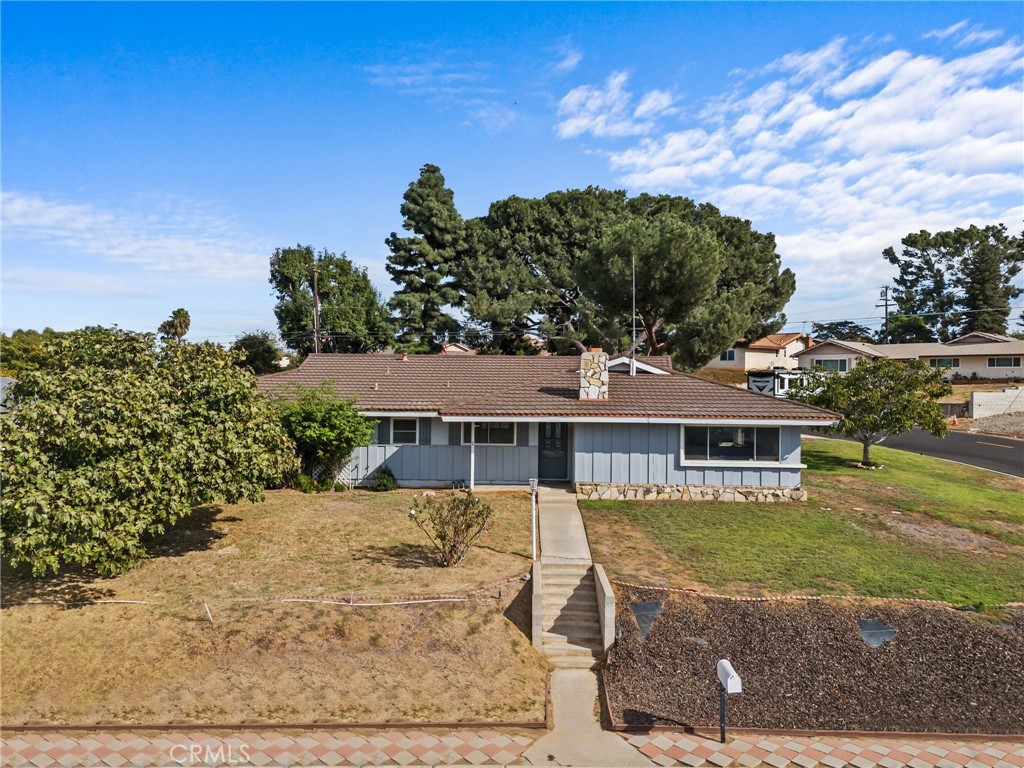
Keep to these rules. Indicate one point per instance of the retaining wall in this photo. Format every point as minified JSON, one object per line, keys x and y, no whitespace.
{"x":643,"y":492}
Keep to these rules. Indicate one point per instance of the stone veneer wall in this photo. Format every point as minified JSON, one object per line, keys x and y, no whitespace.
{"x":594,"y":375}
{"x":686,"y":492}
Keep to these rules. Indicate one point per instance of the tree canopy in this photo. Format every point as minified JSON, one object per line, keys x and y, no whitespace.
{"x":879,"y":398}
{"x":958,"y":281}
{"x":117,"y":437}
{"x":352,"y":317}
{"x":841,"y":330}
{"x":425,"y":264}
{"x":25,"y":350}
{"x":176,"y":326}
{"x":259,"y":351}
{"x":529,"y":270}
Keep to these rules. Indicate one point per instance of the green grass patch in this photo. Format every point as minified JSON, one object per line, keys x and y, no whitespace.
{"x":957,"y":537}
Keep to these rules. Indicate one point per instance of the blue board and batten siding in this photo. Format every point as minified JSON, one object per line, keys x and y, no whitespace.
{"x":649,"y":454}
{"x":640,"y":454}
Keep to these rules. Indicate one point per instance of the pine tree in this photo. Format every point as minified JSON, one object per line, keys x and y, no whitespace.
{"x":425,"y":264}
{"x":989,"y":260}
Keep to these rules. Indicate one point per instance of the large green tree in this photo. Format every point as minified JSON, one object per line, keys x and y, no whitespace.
{"x":524,"y":274}
{"x":325,"y":428}
{"x":117,"y":437}
{"x":352,"y":317}
{"x":841,"y":330}
{"x":425,"y":264}
{"x":677,"y":269}
{"x":879,"y":398}
{"x":259,"y":352}
{"x":958,"y":281}
{"x":25,"y":350}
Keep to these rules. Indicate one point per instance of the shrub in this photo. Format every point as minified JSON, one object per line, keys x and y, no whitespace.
{"x":325,"y":428}
{"x":305,"y":483}
{"x":384,"y":480}
{"x":453,"y":523}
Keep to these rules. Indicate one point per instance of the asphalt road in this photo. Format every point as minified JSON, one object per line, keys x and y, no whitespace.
{"x":1001,"y":454}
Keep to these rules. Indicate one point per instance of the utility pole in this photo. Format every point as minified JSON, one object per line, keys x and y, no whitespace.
{"x":316,"y":310}
{"x":632,"y":356}
{"x":884,"y":296}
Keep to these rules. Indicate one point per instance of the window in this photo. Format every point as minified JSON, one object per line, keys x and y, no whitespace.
{"x":944,"y":362}
{"x":1004,"y":362}
{"x":490,"y":433}
{"x":404,"y":431}
{"x":731,"y":443}
{"x":728,"y":356}
{"x":831,"y":365}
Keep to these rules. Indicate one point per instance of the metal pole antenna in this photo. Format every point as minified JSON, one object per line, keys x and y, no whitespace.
{"x":632,"y":357}
{"x":316,"y":310}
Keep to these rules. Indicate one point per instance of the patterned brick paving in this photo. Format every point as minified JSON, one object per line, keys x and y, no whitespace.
{"x":163,"y":750}
{"x":135,"y":750}
{"x":672,"y":749}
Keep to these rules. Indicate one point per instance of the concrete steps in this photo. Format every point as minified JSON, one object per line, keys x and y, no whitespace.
{"x":572,"y":632}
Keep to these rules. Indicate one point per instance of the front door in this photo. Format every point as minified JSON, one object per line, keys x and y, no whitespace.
{"x":554,"y":451}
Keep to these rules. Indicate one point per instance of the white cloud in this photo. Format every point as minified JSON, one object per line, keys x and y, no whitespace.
{"x":569,"y":57}
{"x":966,"y":35}
{"x":59,"y":281}
{"x":171,"y":237}
{"x":606,"y":111}
{"x":841,"y":151}
{"x":942,"y":34}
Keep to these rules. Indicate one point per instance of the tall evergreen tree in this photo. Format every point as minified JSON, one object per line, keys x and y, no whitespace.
{"x":425,"y":265}
{"x":352,"y":317}
{"x":958,"y":281}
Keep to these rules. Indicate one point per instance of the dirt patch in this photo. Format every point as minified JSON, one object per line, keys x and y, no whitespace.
{"x":264,"y":660}
{"x":805,"y":666}
{"x":272,"y":663}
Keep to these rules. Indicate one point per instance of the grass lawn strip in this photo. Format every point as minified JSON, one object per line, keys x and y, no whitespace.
{"x":262,"y":660}
{"x":919,"y":528}
{"x":804,"y":666}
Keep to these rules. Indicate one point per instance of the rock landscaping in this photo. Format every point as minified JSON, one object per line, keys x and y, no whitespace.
{"x":805,"y":665}
{"x":616,"y":491}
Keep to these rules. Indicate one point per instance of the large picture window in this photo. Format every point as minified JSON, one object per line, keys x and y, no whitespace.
{"x":490,"y":433}
{"x":839,"y":366}
{"x":1004,"y":362}
{"x":404,"y":431}
{"x":944,"y":362}
{"x":731,"y":443}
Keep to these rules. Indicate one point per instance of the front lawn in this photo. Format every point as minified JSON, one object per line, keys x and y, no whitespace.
{"x":262,"y":659}
{"x":920,"y":528}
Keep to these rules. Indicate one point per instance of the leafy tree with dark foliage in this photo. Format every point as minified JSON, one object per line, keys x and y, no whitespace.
{"x":325,"y":428}
{"x":352,"y":317}
{"x":879,"y":398}
{"x":425,"y":265}
{"x":260,"y":352}
{"x":117,"y":437}
{"x":841,"y":330}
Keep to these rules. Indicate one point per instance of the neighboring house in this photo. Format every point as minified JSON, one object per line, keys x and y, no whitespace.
{"x":974,"y":355}
{"x":490,"y":419}
{"x":774,"y":351}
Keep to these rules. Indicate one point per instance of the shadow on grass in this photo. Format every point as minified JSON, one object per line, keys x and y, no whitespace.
{"x":520,"y":610}
{"x":76,"y":586}
{"x":827,"y":462}
{"x":400,"y":556}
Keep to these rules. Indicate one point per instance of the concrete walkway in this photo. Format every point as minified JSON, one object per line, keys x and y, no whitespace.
{"x":562,"y":535}
{"x":577,"y":737}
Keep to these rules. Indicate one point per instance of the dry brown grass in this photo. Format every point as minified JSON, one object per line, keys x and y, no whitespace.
{"x":962,"y":392}
{"x":263,"y":660}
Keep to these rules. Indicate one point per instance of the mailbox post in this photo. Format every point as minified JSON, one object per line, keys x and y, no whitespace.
{"x":728,"y":682}
{"x":533,"y":516}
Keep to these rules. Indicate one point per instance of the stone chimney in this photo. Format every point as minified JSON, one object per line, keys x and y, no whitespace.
{"x":594,"y":375}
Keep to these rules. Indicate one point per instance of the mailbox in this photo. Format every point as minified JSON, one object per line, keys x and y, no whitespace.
{"x":727,"y":676}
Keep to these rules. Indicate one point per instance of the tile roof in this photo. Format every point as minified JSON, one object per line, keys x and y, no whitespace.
{"x":510,"y":386}
{"x":775,"y":341}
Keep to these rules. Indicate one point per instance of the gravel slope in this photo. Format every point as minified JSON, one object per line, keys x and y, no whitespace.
{"x":805,"y":666}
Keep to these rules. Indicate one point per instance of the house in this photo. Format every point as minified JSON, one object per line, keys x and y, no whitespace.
{"x":776,"y":350}
{"x":491,"y":419}
{"x":973,"y":355}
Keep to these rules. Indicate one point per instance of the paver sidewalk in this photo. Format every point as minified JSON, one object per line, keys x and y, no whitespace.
{"x":671,"y":749}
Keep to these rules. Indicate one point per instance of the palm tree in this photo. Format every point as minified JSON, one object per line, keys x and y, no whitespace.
{"x":176,"y":326}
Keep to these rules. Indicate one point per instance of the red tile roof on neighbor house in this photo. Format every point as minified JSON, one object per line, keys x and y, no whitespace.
{"x":497,"y":386}
{"x":776,"y":341}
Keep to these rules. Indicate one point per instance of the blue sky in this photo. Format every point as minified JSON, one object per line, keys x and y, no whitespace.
{"x":154,"y":155}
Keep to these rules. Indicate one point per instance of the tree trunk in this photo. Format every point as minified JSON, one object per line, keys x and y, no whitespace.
{"x":866,"y":458}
